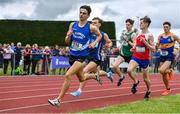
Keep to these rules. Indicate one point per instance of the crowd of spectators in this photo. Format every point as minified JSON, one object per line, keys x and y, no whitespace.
{"x":36,"y":60}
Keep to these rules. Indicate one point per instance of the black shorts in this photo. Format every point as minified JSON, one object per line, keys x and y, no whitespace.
{"x":98,"y":62}
{"x":126,"y":59}
{"x":72,"y":59}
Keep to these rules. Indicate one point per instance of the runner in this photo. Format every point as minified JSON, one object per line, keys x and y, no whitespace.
{"x":166,"y":42}
{"x":127,"y":39}
{"x":144,"y":42}
{"x":78,"y":36}
{"x":95,"y":56}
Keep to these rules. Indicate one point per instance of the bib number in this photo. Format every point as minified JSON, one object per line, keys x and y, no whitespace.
{"x":140,"y":49}
{"x":76,"y":45}
{"x":164,"y":53}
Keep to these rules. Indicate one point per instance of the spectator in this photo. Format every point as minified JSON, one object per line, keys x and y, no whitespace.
{"x":46,"y":60}
{"x":7,"y":57}
{"x":1,"y":55}
{"x":36,"y":57}
{"x":18,"y":54}
{"x":27,"y":59}
{"x":157,"y":61}
{"x":55,"y":52}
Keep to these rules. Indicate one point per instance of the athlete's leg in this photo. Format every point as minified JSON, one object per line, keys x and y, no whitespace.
{"x":163,"y":71}
{"x":68,"y":76}
{"x":81,"y":74}
{"x":132,"y":65}
{"x":115,"y":66}
{"x":146,"y":79}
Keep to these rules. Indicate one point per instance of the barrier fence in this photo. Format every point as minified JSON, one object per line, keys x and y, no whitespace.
{"x":57,"y":65}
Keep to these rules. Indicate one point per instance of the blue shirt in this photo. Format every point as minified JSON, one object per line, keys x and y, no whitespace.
{"x":80,"y":40}
{"x":96,"y":52}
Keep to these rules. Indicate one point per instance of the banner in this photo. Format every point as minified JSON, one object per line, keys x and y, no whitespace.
{"x":60,"y":62}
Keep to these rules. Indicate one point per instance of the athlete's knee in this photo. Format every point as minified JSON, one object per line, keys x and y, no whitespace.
{"x":129,"y":71}
{"x":82,"y":79}
{"x":85,"y":70}
{"x":68,"y":77}
{"x":162,"y":71}
{"x":114,"y":67}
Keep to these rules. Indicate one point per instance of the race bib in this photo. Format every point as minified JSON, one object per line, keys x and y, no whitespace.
{"x":164,"y":53}
{"x":76,"y":45}
{"x":140,"y":49}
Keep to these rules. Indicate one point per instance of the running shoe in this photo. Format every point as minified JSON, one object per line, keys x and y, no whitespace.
{"x":76,"y":93}
{"x":170,"y":75}
{"x":134,"y":87}
{"x":98,"y":79}
{"x":120,"y":80}
{"x":166,"y":92}
{"x":147,"y":95}
{"x":54,"y":102}
{"x":110,"y":76}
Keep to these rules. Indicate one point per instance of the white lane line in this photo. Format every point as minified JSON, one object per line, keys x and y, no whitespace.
{"x":88,"y":85}
{"x":73,"y":84}
{"x":79,"y":100}
{"x":110,"y":89}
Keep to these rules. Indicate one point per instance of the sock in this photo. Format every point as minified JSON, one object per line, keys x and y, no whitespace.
{"x":79,"y":90}
{"x":122,"y":76}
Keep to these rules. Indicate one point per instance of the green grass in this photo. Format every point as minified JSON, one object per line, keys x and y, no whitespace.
{"x":167,"y":104}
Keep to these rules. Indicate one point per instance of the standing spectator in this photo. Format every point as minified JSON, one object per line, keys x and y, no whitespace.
{"x":12,"y":46}
{"x":157,"y":61}
{"x":177,"y":58}
{"x":18,"y":54}
{"x":7,"y":57}
{"x":36,"y":56}
{"x":27,"y":59}
{"x":55,"y":52}
{"x":46,"y":60}
{"x":1,"y":55}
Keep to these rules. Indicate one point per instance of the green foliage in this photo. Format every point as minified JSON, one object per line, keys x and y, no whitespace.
{"x":40,"y":32}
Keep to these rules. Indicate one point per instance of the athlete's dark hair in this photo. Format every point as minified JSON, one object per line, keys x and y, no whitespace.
{"x":146,"y":19}
{"x":167,"y":23}
{"x":130,"y":21}
{"x":88,"y":8}
{"x":97,"y":18}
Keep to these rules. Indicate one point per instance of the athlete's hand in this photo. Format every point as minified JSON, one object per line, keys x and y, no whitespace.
{"x":92,"y":45}
{"x":142,"y":40}
{"x":125,"y":38}
{"x":107,"y":45}
{"x":132,"y":49}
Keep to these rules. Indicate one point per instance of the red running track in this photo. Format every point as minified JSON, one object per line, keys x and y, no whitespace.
{"x":29,"y":94}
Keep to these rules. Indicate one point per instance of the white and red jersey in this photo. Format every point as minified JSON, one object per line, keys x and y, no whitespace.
{"x":141,"y":51}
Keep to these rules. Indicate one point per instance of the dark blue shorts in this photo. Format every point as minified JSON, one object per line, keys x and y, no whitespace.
{"x":142,"y":63}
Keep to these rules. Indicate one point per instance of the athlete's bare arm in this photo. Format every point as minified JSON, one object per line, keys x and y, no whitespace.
{"x":176,"y":38}
{"x":68,"y":35}
{"x":96,"y":31}
{"x":149,"y":44}
{"x":133,"y":40}
{"x":108,"y":42}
